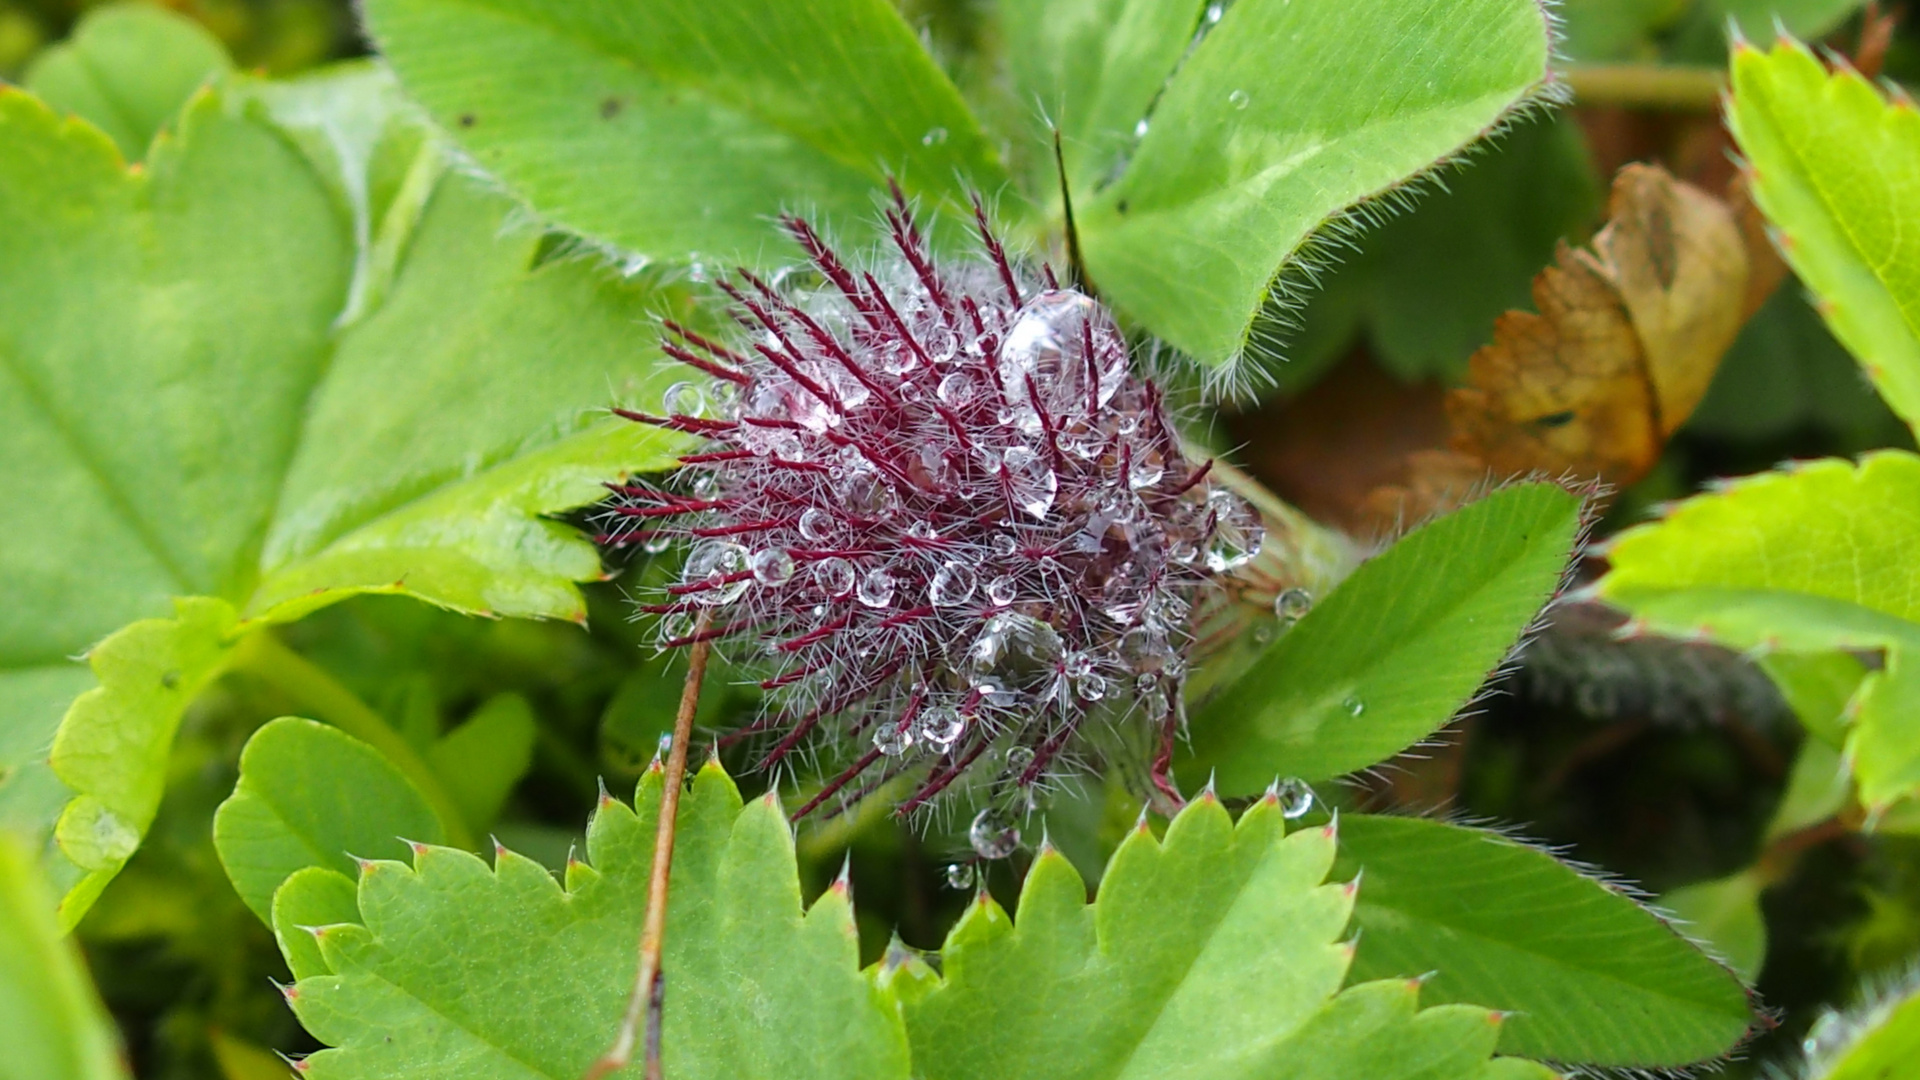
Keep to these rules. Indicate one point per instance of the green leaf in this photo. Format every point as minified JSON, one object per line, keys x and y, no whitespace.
{"x":676,"y":130}
{"x":1090,"y":69}
{"x":1879,"y":1042}
{"x":482,"y":759}
{"x":1817,"y":789}
{"x":1285,"y":117}
{"x":1725,"y":913}
{"x":312,"y":795}
{"x":1426,"y":286}
{"x":127,"y":69}
{"x":1817,"y":687}
{"x":1801,"y":18}
{"x":315,"y":435}
{"x":1817,"y":559}
{"x":1210,"y":954}
{"x":1615,"y":29}
{"x":1395,"y":650}
{"x":455,"y":970}
{"x":1594,"y":977}
{"x":57,"y":1029}
{"x":311,"y":897}
{"x":1830,"y":161}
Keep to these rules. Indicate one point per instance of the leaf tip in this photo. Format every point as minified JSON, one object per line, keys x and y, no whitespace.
{"x":1331,"y":830}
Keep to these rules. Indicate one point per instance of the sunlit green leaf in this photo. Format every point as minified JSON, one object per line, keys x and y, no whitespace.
{"x":311,"y":795}
{"x":1595,"y":977}
{"x":127,"y":69}
{"x":1213,"y":953}
{"x":1833,"y":165}
{"x":1283,"y":117}
{"x":676,"y":130}
{"x":1813,"y":560}
{"x":1725,"y":913}
{"x":452,"y":969}
{"x":1879,"y":1041}
{"x":1395,"y":650}
{"x":202,"y":396}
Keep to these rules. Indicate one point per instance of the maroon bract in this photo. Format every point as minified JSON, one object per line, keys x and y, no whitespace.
{"x":956,"y":530}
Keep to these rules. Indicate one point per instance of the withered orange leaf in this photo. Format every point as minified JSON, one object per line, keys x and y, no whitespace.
{"x":1627,"y":337}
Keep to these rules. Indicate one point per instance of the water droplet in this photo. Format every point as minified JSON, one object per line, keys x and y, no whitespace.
{"x":816,"y":524}
{"x":891,"y":739}
{"x":1262,"y":634}
{"x":683,"y":399}
{"x":1294,"y":796}
{"x":993,"y":834}
{"x":956,"y":390}
{"x":1047,"y":343}
{"x":1292,"y":603}
{"x":1030,"y":480}
{"x":1236,"y":532}
{"x":1140,"y":128}
{"x":715,"y":563}
{"x":898,"y":360}
{"x":1144,"y":649}
{"x":1238,"y":99}
{"x":1019,"y":757}
{"x":941,"y":726}
{"x":705,"y":484}
{"x":664,"y":745}
{"x":1148,"y":468}
{"x":1001,"y":591}
{"x":921,"y":530}
{"x":1003,"y":545}
{"x":867,"y":494}
{"x":772,"y":566}
{"x":675,"y":626}
{"x":1215,"y":11}
{"x":657,"y":543}
{"x":960,"y":875}
{"x":1014,"y":656}
{"x":834,"y":575}
{"x":1090,"y":687}
{"x":1353,"y":706}
{"x":876,"y":588}
{"x":952,"y":585}
{"x":939,"y":343}
{"x":934,"y":137}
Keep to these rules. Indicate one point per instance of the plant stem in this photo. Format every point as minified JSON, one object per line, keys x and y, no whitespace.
{"x":650,"y":982}
{"x":1647,"y":86}
{"x":315,"y":691}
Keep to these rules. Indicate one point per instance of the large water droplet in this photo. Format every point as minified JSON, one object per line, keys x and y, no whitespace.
{"x":1030,"y":480}
{"x":952,"y":585}
{"x":834,"y":575}
{"x":816,"y":524}
{"x":1047,"y":343}
{"x":683,"y":399}
{"x":891,"y":739}
{"x":940,"y":726}
{"x":1015,"y":656}
{"x":876,"y":588}
{"x":993,"y":834}
{"x":772,"y":566}
{"x":956,"y":390}
{"x":1237,"y":532}
{"x":713,"y":563}
{"x":1292,"y":604}
{"x":1294,"y":796}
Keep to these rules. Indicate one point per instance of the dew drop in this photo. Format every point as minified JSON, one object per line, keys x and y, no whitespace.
{"x":993,"y":834}
{"x":1014,"y":656}
{"x":934,"y":137}
{"x":1046,"y":343}
{"x":772,"y":566}
{"x":1001,"y":590}
{"x":941,"y":726}
{"x":1294,"y":796}
{"x":953,"y":584}
{"x":940,"y":343}
{"x":674,"y":627}
{"x":715,"y":563}
{"x":1215,"y":11}
{"x":657,"y":543}
{"x":1144,"y":649}
{"x":816,"y":524}
{"x":1148,"y":468}
{"x":1238,"y":99}
{"x":1030,"y":481}
{"x":1236,"y":533}
{"x":867,"y":494}
{"x":956,"y":390}
{"x":1140,"y":128}
{"x":876,"y":588}
{"x":683,"y":399}
{"x":1353,"y":706}
{"x":834,"y":575}
{"x":960,"y":875}
{"x":1019,"y":757}
{"x":1292,"y":603}
{"x":890,"y":739}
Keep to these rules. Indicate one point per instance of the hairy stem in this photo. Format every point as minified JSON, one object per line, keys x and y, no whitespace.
{"x":650,"y":982}
{"x":1647,"y":86}
{"x":320,"y":694}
